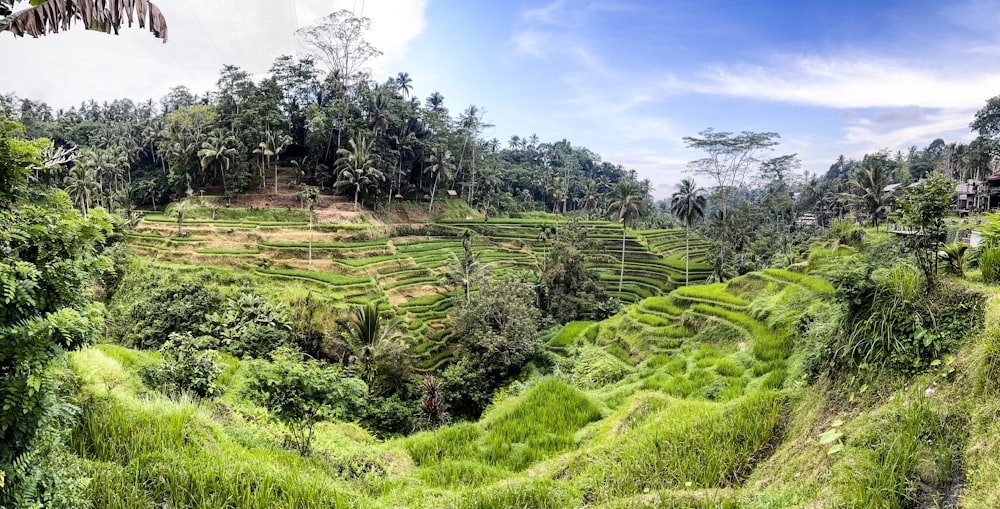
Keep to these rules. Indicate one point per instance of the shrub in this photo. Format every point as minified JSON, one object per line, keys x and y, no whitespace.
{"x":167,"y":309}
{"x":190,"y":365}
{"x":302,"y":393}
{"x":888,"y":319}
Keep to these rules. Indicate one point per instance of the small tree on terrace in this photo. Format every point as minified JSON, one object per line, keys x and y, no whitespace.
{"x":373,"y":340}
{"x":302,"y":393}
{"x":925,"y":206}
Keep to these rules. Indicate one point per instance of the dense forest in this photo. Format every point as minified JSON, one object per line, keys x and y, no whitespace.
{"x":310,"y":289}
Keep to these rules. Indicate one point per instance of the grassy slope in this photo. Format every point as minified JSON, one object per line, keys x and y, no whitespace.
{"x":358,"y":263}
{"x":686,"y":400}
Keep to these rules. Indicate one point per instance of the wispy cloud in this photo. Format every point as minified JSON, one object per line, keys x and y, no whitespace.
{"x":851,"y":82}
{"x":952,"y":124}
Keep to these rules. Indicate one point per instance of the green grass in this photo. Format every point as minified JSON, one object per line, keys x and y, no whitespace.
{"x":712,"y":294}
{"x":705,"y":444}
{"x":569,"y":333}
{"x":812,"y":283}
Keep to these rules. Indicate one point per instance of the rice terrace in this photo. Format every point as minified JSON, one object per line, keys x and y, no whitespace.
{"x":298,"y":277}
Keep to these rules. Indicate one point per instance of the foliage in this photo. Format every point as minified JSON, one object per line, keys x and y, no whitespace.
{"x":302,"y":393}
{"x":956,"y":257}
{"x":189,"y":365}
{"x":888,"y":320}
{"x":377,"y":344}
{"x":48,"y":253}
{"x":569,"y":289}
{"x":924,"y":207}
{"x":163,"y":309}
{"x":249,"y":325}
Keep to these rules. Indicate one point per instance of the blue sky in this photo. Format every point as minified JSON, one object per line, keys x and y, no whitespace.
{"x":627,"y":79}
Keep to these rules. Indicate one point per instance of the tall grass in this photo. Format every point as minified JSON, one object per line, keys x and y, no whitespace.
{"x":704,"y":444}
{"x":712,"y":294}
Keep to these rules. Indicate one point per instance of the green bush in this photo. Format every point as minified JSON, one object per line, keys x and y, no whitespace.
{"x":189,"y":365}
{"x":303,"y":392}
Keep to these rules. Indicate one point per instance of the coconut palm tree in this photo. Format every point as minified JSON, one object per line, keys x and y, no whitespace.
{"x":590,"y":196}
{"x":404,"y":83}
{"x":51,"y":16}
{"x":439,"y":164}
{"x":688,"y":205}
{"x":868,"y":188}
{"x":81,"y":185}
{"x":371,"y":338}
{"x":627,"y":205}
{"x":357,"y":167}
{"x":217,"y":151}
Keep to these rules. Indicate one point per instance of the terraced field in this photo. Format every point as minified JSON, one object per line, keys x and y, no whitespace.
{"x":359,"y":263}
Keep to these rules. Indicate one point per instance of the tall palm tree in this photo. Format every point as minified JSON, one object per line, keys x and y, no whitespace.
{"x":357,"y":167}
{"x":50,"y":16}
{"x":688,"y":205}
{"x":435,"y":102}
{"x":217,"y":151}
{"x":371,"y":338}
{"x":590,"y":196}
{"x":868,"y":188}
{"x":81,"y":186}
{"x":439,"y":164}
{"x":404,"y":83}
{"x":627,"y":205}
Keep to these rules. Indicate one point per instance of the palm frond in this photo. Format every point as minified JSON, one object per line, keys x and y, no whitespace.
{"x":51,"y":16}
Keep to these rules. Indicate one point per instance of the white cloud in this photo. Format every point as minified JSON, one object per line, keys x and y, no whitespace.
{"x":67,"y":68}
{"x":950,"y":124}
{"x":852,"y":82}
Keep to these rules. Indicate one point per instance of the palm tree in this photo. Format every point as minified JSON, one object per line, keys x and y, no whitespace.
{"x":217,"y":151}
{"x":868,"y":188}
{"x":590,"y":196}
{"x":357,"y":168}
{"x":435,"y":102}
{"x":439,"y":165}
{"x":467,"y":270}
{"x":178,"y":212}
{"x":371,"y":338}
{"x":404,"y":83}
{"x":627,"y":205}
{"x":81,"y":186}
{"x":689,"y":206}
{"x":51,"y":16}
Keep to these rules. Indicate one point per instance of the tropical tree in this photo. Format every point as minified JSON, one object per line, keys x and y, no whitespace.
{"x":50,"y":16}
{"x":627,"y":204}
{"x":440,"y":163}
{"x":466,"y":271}
{"x":82,"y":186}
{"x":688,"y":205}
{"x":868,"y":187}
{"x":218,"y":152}
{"x":357,"y":167}
{"x":372,"y":339}
{"x":404,"y":84}
{"x":590,"y":197}
{"x":728,"y":160}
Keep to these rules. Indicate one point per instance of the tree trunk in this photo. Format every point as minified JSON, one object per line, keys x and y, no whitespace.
{"x":434,"y":192}
{"x":356,"y":191}
{"x":687,"y":252}
{"x":621,"y":275}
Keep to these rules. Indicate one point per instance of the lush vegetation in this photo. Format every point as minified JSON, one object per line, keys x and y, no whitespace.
{"x":313,"y":322}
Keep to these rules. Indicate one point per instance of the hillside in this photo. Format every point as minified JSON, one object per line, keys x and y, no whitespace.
{"x":704,"y":397}
{"x":404,"y":266}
